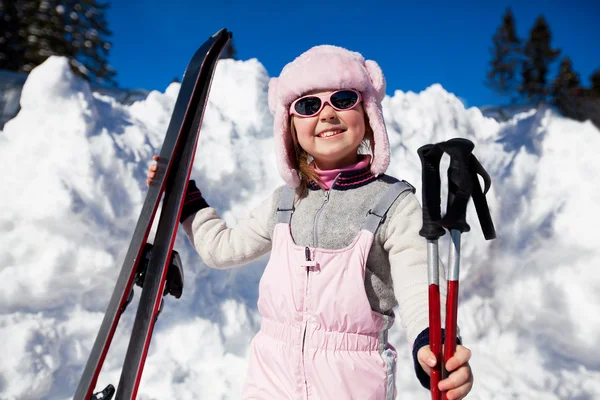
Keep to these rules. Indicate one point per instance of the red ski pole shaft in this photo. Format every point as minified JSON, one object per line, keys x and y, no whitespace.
{"x":435,"y":325}
{"x":451,"y":331}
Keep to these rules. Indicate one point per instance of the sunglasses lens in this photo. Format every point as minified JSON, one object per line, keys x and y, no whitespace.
{"x":308,"y":105}
{"x":344,"y":99}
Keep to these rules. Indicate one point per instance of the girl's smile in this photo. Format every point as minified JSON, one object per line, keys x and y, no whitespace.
{"x":328,"y":133}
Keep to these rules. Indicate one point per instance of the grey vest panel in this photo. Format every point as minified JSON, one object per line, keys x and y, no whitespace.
{"x":375,"y":217}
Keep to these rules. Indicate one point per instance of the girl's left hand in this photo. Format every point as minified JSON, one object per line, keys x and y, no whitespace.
{"x":460,"y":381}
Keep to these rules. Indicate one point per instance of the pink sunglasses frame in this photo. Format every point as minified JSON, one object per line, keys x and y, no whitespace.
{"x":325,"y":98}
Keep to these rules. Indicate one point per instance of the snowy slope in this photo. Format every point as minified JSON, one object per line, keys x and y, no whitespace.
{"x":73,"y":184}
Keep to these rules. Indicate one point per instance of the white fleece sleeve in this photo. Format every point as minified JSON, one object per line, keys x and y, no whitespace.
{"x":222,"y":247}
{"x":408,"y":261}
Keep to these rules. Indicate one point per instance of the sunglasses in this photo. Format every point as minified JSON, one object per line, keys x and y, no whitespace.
{"x":311,"y":105}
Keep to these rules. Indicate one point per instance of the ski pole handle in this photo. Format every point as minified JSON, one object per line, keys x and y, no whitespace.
{"x":460,"y":184}
{"x":430,"y":156}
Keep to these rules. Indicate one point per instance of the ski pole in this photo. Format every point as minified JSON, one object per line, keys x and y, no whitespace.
{"x":430,"y":156}
{"x":459,"y":192}
{"x":462,"y":185}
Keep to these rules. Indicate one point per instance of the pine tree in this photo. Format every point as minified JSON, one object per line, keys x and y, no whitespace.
{"x":75,"y":29}
{"x":538,"y":57}
{"x":595,"y":83}
{"x":86,"y":31}
{"x":592,"y":106}
{"x":565,"y":89}
{"x":12,"y":36}
{"x":506,"y":53}
{"x":45,"y":32}
{"x":566,"y":79}
{"x":33,"y":32}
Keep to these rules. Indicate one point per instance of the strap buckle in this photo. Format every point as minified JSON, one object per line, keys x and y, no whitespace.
{"x":286,"y":209}
{"x":381,"y":217}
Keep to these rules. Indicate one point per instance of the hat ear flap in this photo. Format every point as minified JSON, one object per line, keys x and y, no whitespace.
{"x":273,"y":84}
{"x":377,"y":78}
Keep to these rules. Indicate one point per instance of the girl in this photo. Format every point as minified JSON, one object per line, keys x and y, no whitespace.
{"x":344,"y":242}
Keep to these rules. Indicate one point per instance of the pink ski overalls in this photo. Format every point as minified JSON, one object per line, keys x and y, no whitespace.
{"x":319,"y":338}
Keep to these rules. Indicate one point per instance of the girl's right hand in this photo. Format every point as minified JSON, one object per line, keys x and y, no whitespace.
{"x":152,"y":170}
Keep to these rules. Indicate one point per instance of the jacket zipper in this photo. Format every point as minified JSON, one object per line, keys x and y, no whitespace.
{"x":315,"y":234}
{"x":309,"y":264}
{"x":307,"y":257}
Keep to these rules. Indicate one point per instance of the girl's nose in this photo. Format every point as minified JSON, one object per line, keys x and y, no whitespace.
{"x":327,"y":113}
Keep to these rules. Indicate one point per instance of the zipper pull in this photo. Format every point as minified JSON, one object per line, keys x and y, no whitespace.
{"x":308,"y":263}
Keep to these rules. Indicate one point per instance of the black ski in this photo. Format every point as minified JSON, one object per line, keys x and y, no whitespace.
{"x":149,"y":265}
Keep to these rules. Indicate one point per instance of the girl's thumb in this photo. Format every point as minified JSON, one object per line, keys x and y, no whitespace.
{"x":428,"y":358}
{"x":431,"y":361}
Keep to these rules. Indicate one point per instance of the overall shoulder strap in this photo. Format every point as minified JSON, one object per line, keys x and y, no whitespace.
{"x":286,"y":205}
{"x":376,"y":216}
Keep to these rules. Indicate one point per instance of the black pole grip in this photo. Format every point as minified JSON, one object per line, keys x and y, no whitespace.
{"x":430,"y":156}
{"x":460,"y":183}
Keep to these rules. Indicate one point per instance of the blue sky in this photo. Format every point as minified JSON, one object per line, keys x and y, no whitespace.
{"x":417,"y":43}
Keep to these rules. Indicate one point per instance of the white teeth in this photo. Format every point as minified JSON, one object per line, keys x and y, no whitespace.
{"x":329,"y":133}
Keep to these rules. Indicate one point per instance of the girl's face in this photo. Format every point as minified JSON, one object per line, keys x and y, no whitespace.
{"x":332,"y":137}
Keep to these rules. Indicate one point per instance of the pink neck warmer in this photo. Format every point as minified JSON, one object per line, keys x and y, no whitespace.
{"x":328,"y":176}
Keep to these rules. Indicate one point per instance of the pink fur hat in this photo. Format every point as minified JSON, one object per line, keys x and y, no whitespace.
{"x":327,"y":68}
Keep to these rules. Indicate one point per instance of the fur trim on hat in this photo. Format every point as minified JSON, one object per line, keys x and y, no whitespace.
{"x":327,"y":68}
